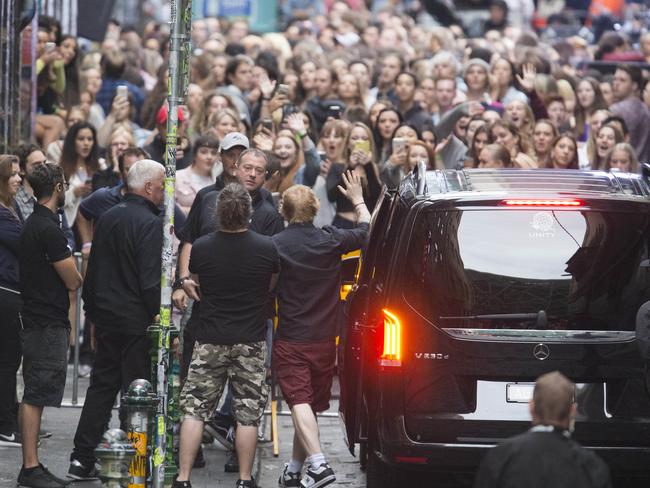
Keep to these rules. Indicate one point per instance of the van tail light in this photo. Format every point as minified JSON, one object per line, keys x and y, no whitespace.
{"x":542,"y":202}
{"x":392,"y":351}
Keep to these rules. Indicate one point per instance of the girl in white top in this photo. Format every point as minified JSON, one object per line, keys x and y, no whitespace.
{"x":80,"y":161}
{"x":199,"y":174}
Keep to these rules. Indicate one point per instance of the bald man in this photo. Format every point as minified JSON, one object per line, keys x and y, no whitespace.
{"x":545,"y":455}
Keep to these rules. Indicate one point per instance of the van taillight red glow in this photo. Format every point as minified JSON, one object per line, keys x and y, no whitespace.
{"x":392,"y":351}
{"x":542,"y":202}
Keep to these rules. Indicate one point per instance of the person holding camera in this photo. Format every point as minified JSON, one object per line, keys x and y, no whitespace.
{"x":325,"y":104}
{"x":299,"y":159}
{"x":359,"y":159}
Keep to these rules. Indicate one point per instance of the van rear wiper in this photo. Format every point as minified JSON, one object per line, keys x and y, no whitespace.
{"x":540,"y":317}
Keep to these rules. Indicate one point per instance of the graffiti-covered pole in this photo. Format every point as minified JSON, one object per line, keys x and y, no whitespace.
{"x":178,"y":74}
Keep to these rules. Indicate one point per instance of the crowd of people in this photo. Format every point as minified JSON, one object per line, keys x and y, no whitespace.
{"x":315,"y":119}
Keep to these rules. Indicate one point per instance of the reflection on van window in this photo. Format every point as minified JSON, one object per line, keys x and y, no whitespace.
{"x":581,"y":269}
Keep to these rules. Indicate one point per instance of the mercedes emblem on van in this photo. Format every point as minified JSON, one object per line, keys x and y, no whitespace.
{"x":541,"y":352}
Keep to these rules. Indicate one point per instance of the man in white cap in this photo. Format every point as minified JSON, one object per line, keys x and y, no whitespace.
{"x":229,"y":150}
{"x":121,"y":297}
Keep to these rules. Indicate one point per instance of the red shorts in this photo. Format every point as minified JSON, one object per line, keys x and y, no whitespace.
{"x":304,"y":371}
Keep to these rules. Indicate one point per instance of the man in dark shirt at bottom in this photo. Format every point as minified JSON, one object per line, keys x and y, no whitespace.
{"x":47,"y":273}
{"x":234,"y":269}
{"x":121,"y":297}
{"x":309,"y":313}
{"x":545,"y":455}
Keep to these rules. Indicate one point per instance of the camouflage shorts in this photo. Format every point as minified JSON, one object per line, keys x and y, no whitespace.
{"x":212,"y":365}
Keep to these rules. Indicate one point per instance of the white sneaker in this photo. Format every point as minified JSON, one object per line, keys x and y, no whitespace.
{"x":319,"y":477}
{"x":84,"y":371}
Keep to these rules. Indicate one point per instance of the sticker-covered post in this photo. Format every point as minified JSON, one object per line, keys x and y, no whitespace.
{"x":180,"y":9}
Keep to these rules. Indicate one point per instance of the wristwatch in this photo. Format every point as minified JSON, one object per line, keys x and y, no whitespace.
{"x":179,"y":282}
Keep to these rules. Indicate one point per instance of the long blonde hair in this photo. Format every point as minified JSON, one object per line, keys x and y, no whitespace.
{"x":631,"y":153}
{"x":283,"y":181}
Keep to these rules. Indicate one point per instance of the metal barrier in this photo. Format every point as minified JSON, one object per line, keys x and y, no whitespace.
{"x":9,"y":75}
{"x":77,"y":333}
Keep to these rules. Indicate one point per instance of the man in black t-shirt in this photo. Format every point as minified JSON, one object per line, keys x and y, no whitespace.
{"x":545,"y":455}
{"x":47,"y":273}
{"x":234,"y":270}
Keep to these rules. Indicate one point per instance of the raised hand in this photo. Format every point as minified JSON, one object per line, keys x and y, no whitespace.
{"x":352,"y":189}
{"x":266,"y":85}
{"x":296,"y":123}
{"x":527,"y":81}
{"x":263,"y":142}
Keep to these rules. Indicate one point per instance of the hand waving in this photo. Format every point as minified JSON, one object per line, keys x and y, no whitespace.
{"x":352,"y":189}
{"x":527,"y":81}
{"x":266,"y":85}
{"x":296,"y":123}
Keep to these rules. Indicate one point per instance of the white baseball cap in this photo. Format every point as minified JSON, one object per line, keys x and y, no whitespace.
{"x":233,"y":139}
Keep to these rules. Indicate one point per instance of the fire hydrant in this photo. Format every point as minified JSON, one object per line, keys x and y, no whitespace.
{"x":114,"y":453}
{"x":139,"y":401}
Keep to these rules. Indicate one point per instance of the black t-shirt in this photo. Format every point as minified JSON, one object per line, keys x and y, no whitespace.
{"x":42,"y":243}
{"x":234,"y":272}
{"x":542,"y":459}
{"x":202,"y":218}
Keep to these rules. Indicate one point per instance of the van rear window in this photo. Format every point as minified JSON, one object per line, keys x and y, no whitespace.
{"x":529,"y":269}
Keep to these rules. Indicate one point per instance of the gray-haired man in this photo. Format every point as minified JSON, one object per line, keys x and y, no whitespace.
{"x":121,"y":297}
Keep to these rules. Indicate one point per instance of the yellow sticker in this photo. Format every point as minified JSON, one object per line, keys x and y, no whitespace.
{"x":139,"y":441}
{"x":165,"y":316}
{"x":158,"y":457}
{"x":161,"y":425}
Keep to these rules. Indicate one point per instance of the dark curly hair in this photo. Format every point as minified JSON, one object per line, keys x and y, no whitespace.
{"x":44,"y":179}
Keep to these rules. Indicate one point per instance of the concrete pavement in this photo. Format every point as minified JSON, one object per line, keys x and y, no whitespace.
{"x":55,"y":451}
{"x":346,"y":467}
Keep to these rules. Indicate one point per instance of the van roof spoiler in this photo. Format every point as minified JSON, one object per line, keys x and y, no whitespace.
{"x":422,"y":182}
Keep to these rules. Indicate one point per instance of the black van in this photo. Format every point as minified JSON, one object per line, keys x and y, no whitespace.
{"x":476,"y":282}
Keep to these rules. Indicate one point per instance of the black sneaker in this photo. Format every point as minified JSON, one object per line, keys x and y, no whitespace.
{"x":199,"y":461}
{"x":78,"y":471}
{"x":222,"y":432}
{"x":246,"y":483}
{"x":288,"y":479}
{"x":315,"y":478}
{"x":39,"y":477}
{"x":10,"y":439}
{"x":181,"y":484}
{"x":232,"y":465}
